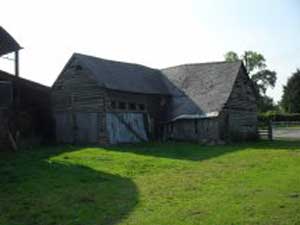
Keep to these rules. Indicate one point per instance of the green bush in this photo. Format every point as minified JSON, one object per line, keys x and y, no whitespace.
{"x":275,"y":116}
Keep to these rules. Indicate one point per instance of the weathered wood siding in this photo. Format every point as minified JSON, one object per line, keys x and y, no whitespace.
{"x":200,"y":130}
{"x":75,"y":90}
{"x":79,"y":106}
{"x":76,"y":96}
{"x":238,"y":120}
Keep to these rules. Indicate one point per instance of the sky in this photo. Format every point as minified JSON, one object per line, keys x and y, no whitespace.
{"x":155,"y":33}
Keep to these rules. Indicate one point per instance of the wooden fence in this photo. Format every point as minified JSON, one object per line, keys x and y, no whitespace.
{"x":266,"y":130}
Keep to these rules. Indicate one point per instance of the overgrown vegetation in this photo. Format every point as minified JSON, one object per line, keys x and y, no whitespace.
{"x":178,"y":184}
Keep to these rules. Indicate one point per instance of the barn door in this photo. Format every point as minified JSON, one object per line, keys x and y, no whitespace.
{"x":126,"y":127}
{"x":86,"y":127}
{"x":77,"y":127}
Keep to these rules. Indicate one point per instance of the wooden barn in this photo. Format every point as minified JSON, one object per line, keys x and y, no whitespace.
{"x":212,"y":102}
{"x":25,"y":106}
{"x":100,"y":101}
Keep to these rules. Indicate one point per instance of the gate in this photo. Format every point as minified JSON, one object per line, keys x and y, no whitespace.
{"x":280,"y":130}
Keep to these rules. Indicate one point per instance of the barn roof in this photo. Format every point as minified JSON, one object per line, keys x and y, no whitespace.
{"x":124,"y":76}
{"x":199,"y":90}
{"x":7,"y":43}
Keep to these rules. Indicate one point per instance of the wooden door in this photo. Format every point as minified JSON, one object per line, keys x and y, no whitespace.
{"x":87,"y":128}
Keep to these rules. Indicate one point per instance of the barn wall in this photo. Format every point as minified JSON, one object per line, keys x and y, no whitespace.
{"x":242,"y":96}
{"x":79,"y":107}
{"x":200,"y":130}
{"x":241,"y":125}
{"x":238,"y":120}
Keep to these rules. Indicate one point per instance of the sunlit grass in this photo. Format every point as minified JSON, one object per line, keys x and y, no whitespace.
{"x":254,"y":183}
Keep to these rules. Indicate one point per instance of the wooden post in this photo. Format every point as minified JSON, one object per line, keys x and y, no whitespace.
{"x":17,"y":63}
{"x":270,"y":131}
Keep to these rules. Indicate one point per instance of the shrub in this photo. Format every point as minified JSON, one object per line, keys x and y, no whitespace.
{"x":275,"y":116}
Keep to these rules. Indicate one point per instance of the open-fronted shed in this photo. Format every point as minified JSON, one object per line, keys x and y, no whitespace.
{"x":25,"y":106}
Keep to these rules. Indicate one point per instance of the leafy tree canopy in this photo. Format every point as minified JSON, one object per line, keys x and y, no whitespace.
{"x":291,"y":94}
{"x":231,"y":57}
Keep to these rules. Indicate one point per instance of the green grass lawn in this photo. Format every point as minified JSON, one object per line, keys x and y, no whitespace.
{"x":152,"y":184}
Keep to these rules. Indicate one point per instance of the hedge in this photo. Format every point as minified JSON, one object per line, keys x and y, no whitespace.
{"x":274,"y":116}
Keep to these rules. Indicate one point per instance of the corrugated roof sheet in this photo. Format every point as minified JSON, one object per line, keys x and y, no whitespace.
{"x":7,"y":43}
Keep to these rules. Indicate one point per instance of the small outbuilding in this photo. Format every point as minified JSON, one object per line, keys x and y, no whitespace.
{"x":100,"y":101}
{"x":25,"y":106}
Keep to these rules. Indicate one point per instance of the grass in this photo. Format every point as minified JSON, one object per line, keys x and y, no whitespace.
{"x":161,"y":184}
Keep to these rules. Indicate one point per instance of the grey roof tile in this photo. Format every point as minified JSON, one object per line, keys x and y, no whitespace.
{"x":204,"y":87}
{"x":124,"y":76}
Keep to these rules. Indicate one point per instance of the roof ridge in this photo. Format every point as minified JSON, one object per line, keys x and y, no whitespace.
{"x":201,"y":63}
{"x":111,"y":60}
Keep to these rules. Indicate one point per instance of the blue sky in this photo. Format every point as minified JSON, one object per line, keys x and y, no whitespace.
{"x":157,"y":33}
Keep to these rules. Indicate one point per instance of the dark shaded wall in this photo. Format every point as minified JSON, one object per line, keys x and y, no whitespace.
{"x":204,"y":130}
{"x":238,"y":120}
{"x":30,"y":113}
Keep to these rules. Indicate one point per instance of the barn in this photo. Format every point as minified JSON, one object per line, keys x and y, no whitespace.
{"x":100,"y":101}
{"x":211,"y":102}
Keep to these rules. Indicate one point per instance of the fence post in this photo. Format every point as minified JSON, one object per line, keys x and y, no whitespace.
{"x":270,"y":131}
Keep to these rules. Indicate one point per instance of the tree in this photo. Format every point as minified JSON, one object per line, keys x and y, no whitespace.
{"x":231,"y":57}
{"x":263,"y":78}
{"x":266,"y":104}
{"x":290,"y":101}
{"x":253,"y":61}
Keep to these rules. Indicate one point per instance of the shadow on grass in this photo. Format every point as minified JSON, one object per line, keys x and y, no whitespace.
{"x":34,"y":190}
{"x":196,"y":152}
